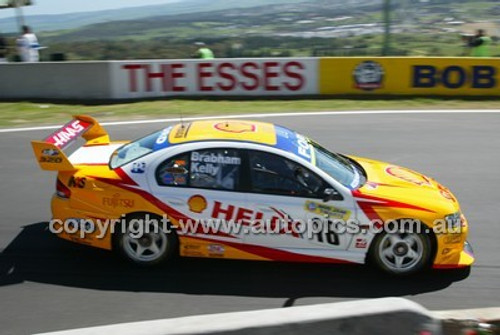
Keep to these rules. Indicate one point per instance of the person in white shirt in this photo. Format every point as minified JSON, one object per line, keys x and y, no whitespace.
{"x":27,"y":46}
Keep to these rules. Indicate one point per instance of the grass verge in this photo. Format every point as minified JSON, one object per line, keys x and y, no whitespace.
{"x":20,"y":114}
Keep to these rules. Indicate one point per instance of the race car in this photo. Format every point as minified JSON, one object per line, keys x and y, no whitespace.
{"x":240,"y":189}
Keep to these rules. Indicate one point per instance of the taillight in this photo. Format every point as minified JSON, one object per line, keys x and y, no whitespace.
{"x":62,"y":190}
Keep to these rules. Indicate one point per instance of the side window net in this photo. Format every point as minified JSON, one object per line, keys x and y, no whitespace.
{"x":174,"y":172}
{"x":217,"y":169}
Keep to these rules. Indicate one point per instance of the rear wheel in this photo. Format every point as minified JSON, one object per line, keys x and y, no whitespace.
{"x":143,"y":240}
{"x":402,"y":252}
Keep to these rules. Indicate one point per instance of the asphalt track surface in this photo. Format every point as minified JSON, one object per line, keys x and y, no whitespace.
{"x":48,"y":284}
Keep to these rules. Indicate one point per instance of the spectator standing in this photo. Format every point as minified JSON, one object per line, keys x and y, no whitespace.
{"x":481,"y":44}
{"x":203,"y":51}
{"x":3,"y":49}
{"x":27,"y":46}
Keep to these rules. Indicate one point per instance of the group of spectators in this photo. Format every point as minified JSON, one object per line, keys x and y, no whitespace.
{"x":26,"y":44}
{"x":28,"y":48}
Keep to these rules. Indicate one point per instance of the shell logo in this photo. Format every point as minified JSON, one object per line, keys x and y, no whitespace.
{"x":407,"y":175}
{"x":446,"y":193}
{"x":236,"y":127}
{"x":197,"y":203}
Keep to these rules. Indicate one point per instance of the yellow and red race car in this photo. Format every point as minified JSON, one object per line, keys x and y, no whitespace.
{"x":247,"y":190}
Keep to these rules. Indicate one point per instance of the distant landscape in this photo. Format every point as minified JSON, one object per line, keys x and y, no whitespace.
{"x":172,"y":7}
{"x":266,"y":28}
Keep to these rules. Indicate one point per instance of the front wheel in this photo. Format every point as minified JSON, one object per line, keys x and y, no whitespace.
{"x":145,"y":241}
{"x":401,"y":253}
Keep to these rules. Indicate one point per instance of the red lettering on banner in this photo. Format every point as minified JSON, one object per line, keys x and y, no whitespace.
{"x":154,"y":75}
{"x":204,"y":74}
{"x":294,"y":75}
{"x":269,"y":74}
{"x":229,"y":77}
{"x":250,"y":75}
{"x":132,"y":75}
{"x":177,"y":75}
{"x":168,"y":74}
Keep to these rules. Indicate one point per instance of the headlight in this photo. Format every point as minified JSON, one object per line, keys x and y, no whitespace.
{"x":454,"y":221}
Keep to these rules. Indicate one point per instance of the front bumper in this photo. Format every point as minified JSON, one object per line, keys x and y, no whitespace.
{"x":463,"y":259}
{"x":453,"y":249}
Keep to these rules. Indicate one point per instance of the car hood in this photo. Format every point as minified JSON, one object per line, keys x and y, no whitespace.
{"x":397,"y":183}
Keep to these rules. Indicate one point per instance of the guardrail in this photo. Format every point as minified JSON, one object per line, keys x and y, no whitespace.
{"x":139,"y":79}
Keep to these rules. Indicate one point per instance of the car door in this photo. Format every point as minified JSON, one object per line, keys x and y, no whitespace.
{"x":202,"y":186}
{"x":281,"y":188}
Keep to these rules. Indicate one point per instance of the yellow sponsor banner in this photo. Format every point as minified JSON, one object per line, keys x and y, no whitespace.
{"x":409,"y":76}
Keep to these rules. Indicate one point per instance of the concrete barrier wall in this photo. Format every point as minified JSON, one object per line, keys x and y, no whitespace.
{"x":423,"y":76}
{"x":388,"y":316}
{"x":66,"y":80}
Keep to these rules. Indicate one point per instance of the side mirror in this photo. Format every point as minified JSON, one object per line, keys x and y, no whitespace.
{"x":331,"y":194}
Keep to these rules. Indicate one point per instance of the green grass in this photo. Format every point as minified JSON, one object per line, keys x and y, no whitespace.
{"x":22,"y":114}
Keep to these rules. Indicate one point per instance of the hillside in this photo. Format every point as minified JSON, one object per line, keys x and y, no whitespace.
{"x":75,"y":20}
{"x":267,"y":20}
{"x":284,"y":28}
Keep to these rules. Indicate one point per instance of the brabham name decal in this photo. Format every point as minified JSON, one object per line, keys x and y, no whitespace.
{"x":213,"y":158}
{"x":211,"y":163}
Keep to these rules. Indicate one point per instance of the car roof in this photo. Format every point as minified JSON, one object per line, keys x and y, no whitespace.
{"x":236,"y":130}
{"x":258,"y":132}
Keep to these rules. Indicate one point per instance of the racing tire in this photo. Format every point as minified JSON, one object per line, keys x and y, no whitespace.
{"x":401,"y":252}
{"x":144,"y":241}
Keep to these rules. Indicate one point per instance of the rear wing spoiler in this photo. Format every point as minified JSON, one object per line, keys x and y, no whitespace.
{"x":49,"y":152}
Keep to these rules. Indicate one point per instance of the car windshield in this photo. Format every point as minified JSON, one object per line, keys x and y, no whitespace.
{"x":134,"y":150}
{"x":337,"y":166}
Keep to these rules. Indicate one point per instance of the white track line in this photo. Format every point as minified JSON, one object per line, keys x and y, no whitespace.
{"x":264,"y":115}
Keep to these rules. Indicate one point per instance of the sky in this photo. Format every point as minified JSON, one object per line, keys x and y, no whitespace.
{"x":72,"y":6}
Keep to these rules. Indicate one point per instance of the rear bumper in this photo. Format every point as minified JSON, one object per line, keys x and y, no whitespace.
{"x":63,"y":213}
